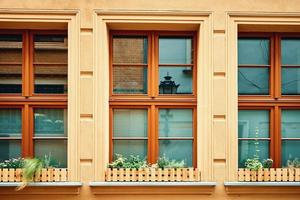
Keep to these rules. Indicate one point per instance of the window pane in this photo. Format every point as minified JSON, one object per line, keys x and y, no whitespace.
{"x":50,"y":64}
{"x":10,"y":122}
{"x":253,"y":81}
{"x":130,"y":80}
{"x":290,"y":124}
{"x":130,"y":147}
{"x":247,"y":149}
{"x":10,"y":149}
{"x":290,"y":51}
{"x":175,"y":80}
{"x":290,"y":81}
{"x":252,"y":121}
{"x":57,"y":149}
{"x":130,"y":123}
{"x":50,"y":122}
{"x":130,"y":49}
{"x":11,"y":63}
{"x":253,"y":51}
{"x":178,"y":150}
{"x":175,"y":50}
{"x":175,"y":122}
{"x":290,"y":150}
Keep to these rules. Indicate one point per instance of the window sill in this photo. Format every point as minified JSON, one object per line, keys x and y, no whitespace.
{"x":41,"y":188}
{"x":262,"y":187}
{"x":205,"y":188}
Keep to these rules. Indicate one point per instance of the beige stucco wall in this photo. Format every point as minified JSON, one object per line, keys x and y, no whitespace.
{"x":88,"y":27}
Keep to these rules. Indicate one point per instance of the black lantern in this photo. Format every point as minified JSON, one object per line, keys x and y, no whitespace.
{"x":168,"y":86}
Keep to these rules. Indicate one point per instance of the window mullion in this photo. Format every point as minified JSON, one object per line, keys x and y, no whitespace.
{"x":277,"y":67}
{"x":277,"y":136}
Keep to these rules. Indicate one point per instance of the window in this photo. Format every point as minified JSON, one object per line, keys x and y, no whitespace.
{"x":269,"y":97}
{"x":153,"y":95}
{"x":33,"y":94}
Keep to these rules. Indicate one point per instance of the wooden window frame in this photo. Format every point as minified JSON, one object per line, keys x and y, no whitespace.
{"x":153,"y":101}
{"x":28,"y":100}
{"x":275,"y":101}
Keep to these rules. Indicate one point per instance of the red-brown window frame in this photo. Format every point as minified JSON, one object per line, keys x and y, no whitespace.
{"x":275,"y":101}
{"x":28,"y":100}
{"x":152,"y":100}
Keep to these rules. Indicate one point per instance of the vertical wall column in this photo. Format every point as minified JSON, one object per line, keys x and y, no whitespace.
{"x":87,"y":138}
{"x":219,"y":97}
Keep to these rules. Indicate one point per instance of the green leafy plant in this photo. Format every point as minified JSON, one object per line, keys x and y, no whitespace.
{"x":295,"y":163}
{"x":253,"y":164}
{"x":164,"y":162}
{"x":12,"y":163}
{"x":267,"y":163}
{"x":132,"y":162}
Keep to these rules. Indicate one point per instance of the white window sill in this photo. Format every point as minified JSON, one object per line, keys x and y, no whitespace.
{"x":152,"y":187}
{"x":262,"y":187}
{"x":70,"y":188}
{"x":42,"y":184}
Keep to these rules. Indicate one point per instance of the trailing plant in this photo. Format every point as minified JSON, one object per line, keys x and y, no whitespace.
{"x":164,"y":162}
{"x":132,"y":162}
{"x":293,"y":163}
{"x":12,"y":163}
{"x":32,"y":167}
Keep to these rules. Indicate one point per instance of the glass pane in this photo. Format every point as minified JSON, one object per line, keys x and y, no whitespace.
{"x":130,"y":49}
{"x":56,"y":149}
{"x":130,"y":147}
{"x":290,"y":81}
{"x":130,"y":123}
{"x":177,"y":150}
{"x":290,"y":151}
{"x":11,"y":63}
{"x":253,"y":81}
{"x":175,"y":122}
{"x":248,"y":149}
{"x":50,"y":64}
{"x":10,"y":122}
{"x":290,"y":124}
{"x":252,"y":122}
{"x":175,"y":50}
{"x":50,"y":122}
{"x":253,"y":51}
{"x":130,"y":80}
{"x":10,"y":149}
{"x":175,"y":80}
{"x":290,"y":51}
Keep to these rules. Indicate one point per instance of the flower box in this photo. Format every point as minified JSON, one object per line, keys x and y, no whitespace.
{"x":272,"y":174}
{"x":152,"y":174}
{"x":46,"y":175}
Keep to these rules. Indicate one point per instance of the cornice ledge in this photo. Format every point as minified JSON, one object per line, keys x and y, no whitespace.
{"x":262,"y":14}
{"x":39,"y":11}
{"x":152,"y":12}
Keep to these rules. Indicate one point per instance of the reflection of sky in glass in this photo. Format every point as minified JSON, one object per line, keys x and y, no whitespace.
{"x":253,"y":51}
{"x":175,"y":50}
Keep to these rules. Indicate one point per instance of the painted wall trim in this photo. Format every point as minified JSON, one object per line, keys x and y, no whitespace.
{"x":44,"y":184}
{"x":95,"y":184}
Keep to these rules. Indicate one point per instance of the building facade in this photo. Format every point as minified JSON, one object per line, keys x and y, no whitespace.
{"x":212,"y":83}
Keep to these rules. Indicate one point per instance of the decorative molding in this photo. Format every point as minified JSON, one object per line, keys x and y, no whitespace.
{"x":171,"y":188}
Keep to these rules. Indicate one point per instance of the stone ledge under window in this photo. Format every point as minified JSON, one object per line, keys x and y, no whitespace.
{"x":41,"y":188}
{"x":205,"y":188}
{"x":262,"y":187}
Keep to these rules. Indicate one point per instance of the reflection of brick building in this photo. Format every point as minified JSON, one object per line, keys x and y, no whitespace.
{"x":128,"y":78}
